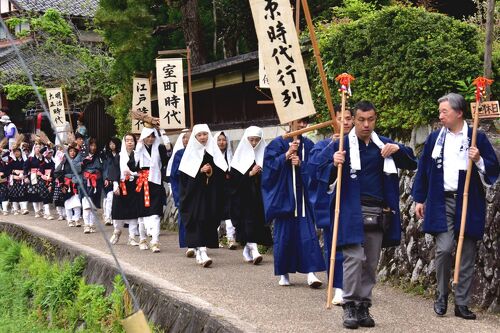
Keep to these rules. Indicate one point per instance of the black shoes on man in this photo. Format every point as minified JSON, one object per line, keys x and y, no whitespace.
{"x":357,"y":315}
{"x":462,"y":311}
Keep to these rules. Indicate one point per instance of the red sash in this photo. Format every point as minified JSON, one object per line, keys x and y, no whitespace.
{"x":143,"y":181}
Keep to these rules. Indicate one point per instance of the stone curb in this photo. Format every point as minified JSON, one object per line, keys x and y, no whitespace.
{"x":168,"y":306}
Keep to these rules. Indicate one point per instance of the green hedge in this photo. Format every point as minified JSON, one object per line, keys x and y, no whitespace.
{"x":403,"y":59}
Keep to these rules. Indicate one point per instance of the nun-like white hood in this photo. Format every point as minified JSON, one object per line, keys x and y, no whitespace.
{"x":245,"y":154}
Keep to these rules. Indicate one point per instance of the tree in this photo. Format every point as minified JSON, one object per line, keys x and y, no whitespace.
{"x":404,"y":74}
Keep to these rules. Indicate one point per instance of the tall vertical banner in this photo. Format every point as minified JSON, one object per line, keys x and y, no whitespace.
{"x":55,"y":100}
{"x":263,"y":79}
{"x":280,"y":50}
{"x":141,"y":101}
{"x":170,"y":83}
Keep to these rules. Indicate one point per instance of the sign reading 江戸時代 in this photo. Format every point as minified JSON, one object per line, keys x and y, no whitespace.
{"x":141,"y":101}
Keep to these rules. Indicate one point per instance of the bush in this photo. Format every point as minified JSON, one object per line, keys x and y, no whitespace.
{"x":403,"y":60}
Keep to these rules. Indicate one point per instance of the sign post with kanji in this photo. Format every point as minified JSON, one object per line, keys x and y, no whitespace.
{"x":282,"y":59}
{"x":141,"y":101}
{"x":55,"y":100}
{"x":170,"y":83}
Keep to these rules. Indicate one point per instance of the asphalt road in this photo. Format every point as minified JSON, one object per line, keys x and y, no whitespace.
{"x":252,"y":293}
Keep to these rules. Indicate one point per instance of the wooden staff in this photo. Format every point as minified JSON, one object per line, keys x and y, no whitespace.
{"x":319,"y":63}
{"x":190,"y":90}
{"x":337,"y":211}
{"x":481,"y":84}
{"x":345,"y":82}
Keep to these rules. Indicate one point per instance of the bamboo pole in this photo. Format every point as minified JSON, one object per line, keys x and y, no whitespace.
{"x":319,"y":63}
{"x":190,"y":90}
{"x":66,"y":102}
{"x":309,"y":129}
{"x":337,"y":210}
{"x":297,"y":16}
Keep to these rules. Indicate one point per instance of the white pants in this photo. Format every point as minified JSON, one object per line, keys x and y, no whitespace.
{"x":132,"y":226}
{"x":24,"y":205}
{"x":150,"y":225}
{"x":37,"y":206}
{"x":15,"y":206}
{"x":61,"y":211}
{"x":230,"y":230}
{"x":73,"y":214}
{"x":46,"y":209}
{"x":5,"y":206}
{"x":89,"y":217}
{"x":107,"y":204}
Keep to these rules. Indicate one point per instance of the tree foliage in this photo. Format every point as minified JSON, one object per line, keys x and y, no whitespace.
{"x":403,"y":60}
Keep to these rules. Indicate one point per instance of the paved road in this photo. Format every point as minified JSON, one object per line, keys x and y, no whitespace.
{"x":252,"y":292}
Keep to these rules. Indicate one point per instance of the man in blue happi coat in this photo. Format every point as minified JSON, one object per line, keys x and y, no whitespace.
{"x":320,"y":200}
{"x":438,"y":193}
{"x":296,"y":246}
{"x":369,"y":206}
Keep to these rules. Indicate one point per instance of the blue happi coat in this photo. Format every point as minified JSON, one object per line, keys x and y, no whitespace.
{"x":351,"y":229}
{"x":428,"y":188}
{"x":174,"y":183}
{"x":296,"y":246}
{"x":320,"y":201}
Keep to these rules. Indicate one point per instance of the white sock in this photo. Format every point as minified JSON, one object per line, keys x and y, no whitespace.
{"x":5,"y":206}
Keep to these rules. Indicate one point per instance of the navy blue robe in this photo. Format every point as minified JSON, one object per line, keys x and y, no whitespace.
{"x":351,"y":229}
{"x":323,"y":216}
{"x":174,"y":183}
{"x":296,"y":246}
{"x":428,"y":188}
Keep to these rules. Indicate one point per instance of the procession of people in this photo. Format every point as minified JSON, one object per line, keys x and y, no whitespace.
{"x":278,"y":194}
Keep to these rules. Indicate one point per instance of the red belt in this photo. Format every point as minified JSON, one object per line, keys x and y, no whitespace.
{"x":92,"y":178}
{"x":123,"y":186}
{"x":143,"y":181}
{"x":69,"y":183}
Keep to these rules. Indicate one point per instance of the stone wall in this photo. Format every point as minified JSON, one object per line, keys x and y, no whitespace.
{"x":412,"y":263}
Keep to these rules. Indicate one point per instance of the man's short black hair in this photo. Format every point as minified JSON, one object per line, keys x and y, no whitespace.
{"x":364,"y":106}
{"x":78,"y":136}
{"x":338,"y":109}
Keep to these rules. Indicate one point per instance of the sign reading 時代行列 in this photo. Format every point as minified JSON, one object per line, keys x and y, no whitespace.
{"x":282,"y":59}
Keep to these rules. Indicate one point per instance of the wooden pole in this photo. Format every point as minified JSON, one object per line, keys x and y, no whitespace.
{"x":297,"y":16}
{"x":337,"y":210}
{"x":190,"y":90}
{"x":465,"y":202}
{"x":309,"y":129}
{"x":66,"y":102}
{"x":319,"y":63}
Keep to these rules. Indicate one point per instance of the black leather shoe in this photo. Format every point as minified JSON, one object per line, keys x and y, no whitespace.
{"x":350,"y":315}
{"x":463,"y":311}
{"x":441,"y":305}
{"x":364,"y":317}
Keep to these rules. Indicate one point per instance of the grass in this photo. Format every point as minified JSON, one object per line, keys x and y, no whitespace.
{"x":37,"y":295}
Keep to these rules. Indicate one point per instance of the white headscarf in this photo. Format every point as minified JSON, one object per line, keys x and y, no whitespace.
{"x":229,"y":150}
{"x":124,"y":158}
{"x":245,"y":154}
{"x":142,"y":156}
{"x":178,"y":146}
{"x":193,"y":156}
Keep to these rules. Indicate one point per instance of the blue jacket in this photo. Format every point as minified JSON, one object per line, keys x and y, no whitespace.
{"x":428,"y":188}
{"x":319,"y":200}
{"x":351,"y":229}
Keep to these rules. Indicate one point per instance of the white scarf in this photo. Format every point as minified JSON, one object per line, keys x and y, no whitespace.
{"x":193,"y":155}
{"x":178,"y":146}
{"x":229,"y":150}
{"x":124,"y":158}
{"x":245,"y":154}
{"x":389,"y":165}
{"x":438,"y":146}
{"x":152,"y":161}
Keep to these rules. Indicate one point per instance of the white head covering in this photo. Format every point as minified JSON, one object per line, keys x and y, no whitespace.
{"x":193,"y":156}
{"x":245,"y":154}
{"x":142,"y":156}
{"x":124,"y":158}
{"x":178,"y":146}
{"x":229,"y":150}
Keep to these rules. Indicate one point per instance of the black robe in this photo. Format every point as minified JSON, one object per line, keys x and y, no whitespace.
{"x":247,"y":209}
{"x":156,"y":192}
{"x":125,"y":206}
{"x":201,"y":205}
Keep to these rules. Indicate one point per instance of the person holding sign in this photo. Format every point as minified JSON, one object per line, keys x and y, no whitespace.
{"x":438,"y":192}
{"x":286,"y":202}
{"x":247,"y":210}
{"x":202,"y":175}
{"x":369,"y":211}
